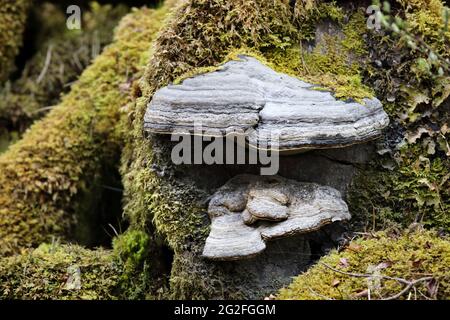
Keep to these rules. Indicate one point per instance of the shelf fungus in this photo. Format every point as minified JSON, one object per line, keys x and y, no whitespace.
{"x":272,"y":110}
{"x":250,"y":210}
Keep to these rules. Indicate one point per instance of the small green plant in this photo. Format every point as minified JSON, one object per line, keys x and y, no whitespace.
{"x":418,"y":33}
{"x":132,"y":248}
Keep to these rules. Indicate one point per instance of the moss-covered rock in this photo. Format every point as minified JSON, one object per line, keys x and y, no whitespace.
{"x":61,"y":56}
{"x":368,"y":266}
{"x":53,"y":173}
{"x":60,"y":272}
{"x":13,"y":17}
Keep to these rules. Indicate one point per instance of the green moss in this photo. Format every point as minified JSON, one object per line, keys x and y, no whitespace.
{"x":45,"y":177}
{"x":13,"y":16}
{"x":151,"y":198}
{"x":132,"y":248}
{"x":60,"y":272}
{"x":312,"y":12}
{"x":142,"y":273}
{"x":209,"y":33}
{"x":191,"y":280}
{"x":410,"y":256}
{"x":7,"y":138}
{"x":61,"y":56}
{"x":426,"y":18}
{"x":415,"y":191}
{"x":415,"y":94}
{"x":333,"y":64}
{"x":335,"y":61}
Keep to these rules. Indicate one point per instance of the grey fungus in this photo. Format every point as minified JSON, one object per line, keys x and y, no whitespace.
{"x":274,"y":207}
{"x":249,"y":97}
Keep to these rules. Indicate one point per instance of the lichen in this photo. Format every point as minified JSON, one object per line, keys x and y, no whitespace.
{"x":60,"y":272}
{"x":13,"y":17}
{"x":47,"y":176}
{"x":413,"y":255}
{"x":198,"y":27}
{"x":410,"y":182}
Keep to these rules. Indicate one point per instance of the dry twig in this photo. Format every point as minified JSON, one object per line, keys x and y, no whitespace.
{"x":408,"y":284}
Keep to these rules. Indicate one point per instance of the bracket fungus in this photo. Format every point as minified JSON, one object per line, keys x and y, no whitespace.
{"x":266,"y":208}
{"x":249,"y":97}
{"x":274,"y":111}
